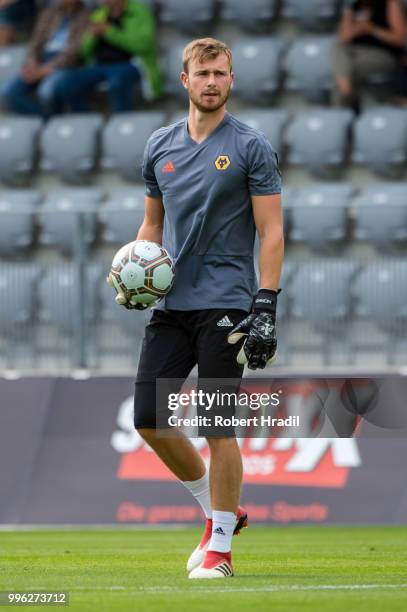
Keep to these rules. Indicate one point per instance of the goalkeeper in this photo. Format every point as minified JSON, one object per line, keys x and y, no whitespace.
{"x":211,"y":181}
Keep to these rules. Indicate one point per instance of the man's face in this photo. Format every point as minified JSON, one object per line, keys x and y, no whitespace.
{"x":208,"y":83}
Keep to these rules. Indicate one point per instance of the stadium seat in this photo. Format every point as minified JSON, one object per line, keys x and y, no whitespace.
{"x":254,"y":16}
{"x":308,"y":67}
{"x":380,"y":140}
{"x":381,"y":215}
{"x":11,"y":60}
{"x":312,"y":14}
{"x":18,"y":148}
{"x":171,"y":61}
{"x":320,"y":295}
{"x":69,"y":146}
{"x":270,"y":122}
{"x":318,"y":214}
{"x":380,"y":291}
{"x":194,"y":16}
{"x":17,"y":282}
{"x":59,"y":299}
{"x":122,"y":215}
{"x":320,"y":290}
{"x":17,"y":209}
{"x":318,"y":139}
{"x":123,"y":141}
{"x":59,"y":217}
{"x":256,"y":62}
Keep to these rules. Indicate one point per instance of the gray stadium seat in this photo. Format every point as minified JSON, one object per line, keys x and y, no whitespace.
{"x":381,"y":214}
{"x":320,"y":296}
{"x":194,"y":16}
{"x":17,"y":209}
{"x":318,"y":214}
{"x":18,"y":148}
{"x":11,"y":60}
{"x":311,"y":14}
{"x":256,"y":64}
{"x":58,"y":295}
{"x":17,"y":282}
{"x":380,"y":139}
{"x":253,"y":16}
{"x":122,"y":215}
{"x":270,"y":122}
{"x":318,"y":139}
{"x":320,"y":290}
{"x":308,"y":66}
{"x":380,"y":291}
{"x":69,"y":146}
{"x":171,"y":61}
{"x":123,"y":141}
{"x":58,"y":217}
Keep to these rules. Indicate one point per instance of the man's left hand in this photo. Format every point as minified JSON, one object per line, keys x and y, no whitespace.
{"x":260,"y":345}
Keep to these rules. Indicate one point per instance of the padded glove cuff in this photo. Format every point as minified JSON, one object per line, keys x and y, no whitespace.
{"x":266,"y":301}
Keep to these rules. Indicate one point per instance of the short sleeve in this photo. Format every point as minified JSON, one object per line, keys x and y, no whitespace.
{"x":264,"y":175}
{"x":152,"y":188}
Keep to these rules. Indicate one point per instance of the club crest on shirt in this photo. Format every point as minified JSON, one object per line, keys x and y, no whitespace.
{"x":222,"y":162}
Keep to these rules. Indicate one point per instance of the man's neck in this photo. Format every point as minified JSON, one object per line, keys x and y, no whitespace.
{"x":200,"y":125}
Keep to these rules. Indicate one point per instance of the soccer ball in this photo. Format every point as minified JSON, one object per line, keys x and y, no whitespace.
{"x":142,"y":272}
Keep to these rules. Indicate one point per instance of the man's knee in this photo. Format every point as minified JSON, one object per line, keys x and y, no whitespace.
{"x":53,"y":87}
{"x":147,"y":434}
{"x":9,"y":91}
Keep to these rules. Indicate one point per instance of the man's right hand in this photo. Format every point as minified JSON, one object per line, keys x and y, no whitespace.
{"x":32,"y":72}
{"x":122,"y":300}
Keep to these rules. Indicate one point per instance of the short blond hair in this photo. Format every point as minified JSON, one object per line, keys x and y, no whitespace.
{"x":203,"y":49}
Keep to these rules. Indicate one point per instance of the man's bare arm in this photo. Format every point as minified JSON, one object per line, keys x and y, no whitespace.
{"x":152,"y":226}
{"x":268,"y":217}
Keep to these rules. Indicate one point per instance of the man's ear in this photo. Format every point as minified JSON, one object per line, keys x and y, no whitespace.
{"x":184,"y":79}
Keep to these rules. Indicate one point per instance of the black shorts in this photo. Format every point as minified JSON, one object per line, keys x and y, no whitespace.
{"x":175,"y":341}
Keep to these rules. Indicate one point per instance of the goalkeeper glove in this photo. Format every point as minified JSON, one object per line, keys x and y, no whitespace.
{"x":122,"y":300}
{"x":260,"y":345}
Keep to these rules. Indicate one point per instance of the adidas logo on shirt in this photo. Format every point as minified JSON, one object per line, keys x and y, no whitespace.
{"x":169,"y":167}
{"x":225,"y":322}
{"x":219,"y":531}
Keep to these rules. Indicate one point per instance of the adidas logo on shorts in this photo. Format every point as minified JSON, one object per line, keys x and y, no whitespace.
{"x":225,"y":322}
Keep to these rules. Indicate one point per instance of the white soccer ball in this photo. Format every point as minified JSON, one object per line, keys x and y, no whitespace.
{"x":142,"y":272}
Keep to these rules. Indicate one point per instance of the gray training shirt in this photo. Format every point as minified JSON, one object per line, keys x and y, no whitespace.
{"x":209,"y":227}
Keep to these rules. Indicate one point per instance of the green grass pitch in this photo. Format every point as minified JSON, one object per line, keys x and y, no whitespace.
{"x":276,"y":569}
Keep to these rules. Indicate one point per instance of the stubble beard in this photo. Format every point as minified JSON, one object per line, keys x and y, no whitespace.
{"x":209,"y":109}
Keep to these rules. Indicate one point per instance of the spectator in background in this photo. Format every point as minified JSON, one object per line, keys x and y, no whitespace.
{"x":119,"y":50}
{"x":372,"y":35}
{"x":54,"y":46}
{"x":15,"y":15}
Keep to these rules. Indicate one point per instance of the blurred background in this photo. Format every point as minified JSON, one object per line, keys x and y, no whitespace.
{"x":78,"y":106}
{"x":82,"y":86}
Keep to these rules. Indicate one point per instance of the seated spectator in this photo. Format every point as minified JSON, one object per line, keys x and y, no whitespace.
{"x":54,"y":46}
{"x":372,"y":35}
{"x":15,"y":15}
{"x":119,"y":50}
